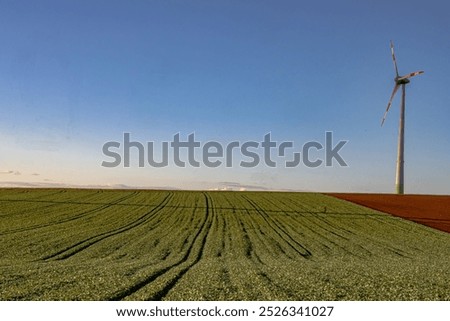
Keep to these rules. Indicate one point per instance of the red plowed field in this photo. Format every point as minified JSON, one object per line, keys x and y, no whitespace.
{"x":430,"y":210}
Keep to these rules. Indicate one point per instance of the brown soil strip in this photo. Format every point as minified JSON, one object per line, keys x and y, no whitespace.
{"x":429,"y":210}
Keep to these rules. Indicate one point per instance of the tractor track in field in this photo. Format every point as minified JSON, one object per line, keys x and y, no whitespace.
{"x":73,"y":202}
{"x":221,"y":225}
{"x":69,"y":219}
{"x":250,"y":252}
{"x":48,"y":203}
{"x":210,"y":217}
{"x":320,"y":216}
{"x":294,"y":244}
{"x":246,"y":227}
{"x":33,"y":207}
{"x":333,"y":229}
{"x":316,"y":216}
{"x":50,"y":194}
{"x":314,"y":227}
{"x":178,"y":268}
{"x":247,"y":246}
{"x":84,"y":244}
{"x":36,"y":204}
{"x":325,"y":232}
{"x":322,"y":223}
{"x":250,"y":229}
{"x":393,"y":249}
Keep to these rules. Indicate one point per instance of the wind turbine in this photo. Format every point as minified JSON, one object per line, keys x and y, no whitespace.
{"x":399,"y":81}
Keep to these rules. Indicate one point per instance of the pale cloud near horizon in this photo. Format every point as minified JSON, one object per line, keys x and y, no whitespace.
{"x":236,"y":186}
{"x":11,"y":172}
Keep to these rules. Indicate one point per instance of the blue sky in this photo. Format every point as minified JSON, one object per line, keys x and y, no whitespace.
{"x":76,"y":74}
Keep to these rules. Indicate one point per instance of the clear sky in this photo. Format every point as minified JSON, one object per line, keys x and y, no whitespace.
{"x":77,"y":74}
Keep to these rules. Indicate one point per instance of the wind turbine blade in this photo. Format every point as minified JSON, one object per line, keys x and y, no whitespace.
{"x":393,"y":58}
{"x":415,"y":73}
{"x":390,"y":103}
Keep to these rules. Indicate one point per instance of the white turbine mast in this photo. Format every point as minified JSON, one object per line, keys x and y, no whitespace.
{"x":399,"y":81}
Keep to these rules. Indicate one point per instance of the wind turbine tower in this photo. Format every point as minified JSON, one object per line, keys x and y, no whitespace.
{"x":400,"y":81}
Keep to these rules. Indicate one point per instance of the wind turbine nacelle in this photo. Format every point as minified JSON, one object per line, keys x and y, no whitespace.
{"x":401,"y":81}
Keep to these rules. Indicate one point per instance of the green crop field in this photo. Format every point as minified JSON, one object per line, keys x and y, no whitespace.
{"x":63,"y":244}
